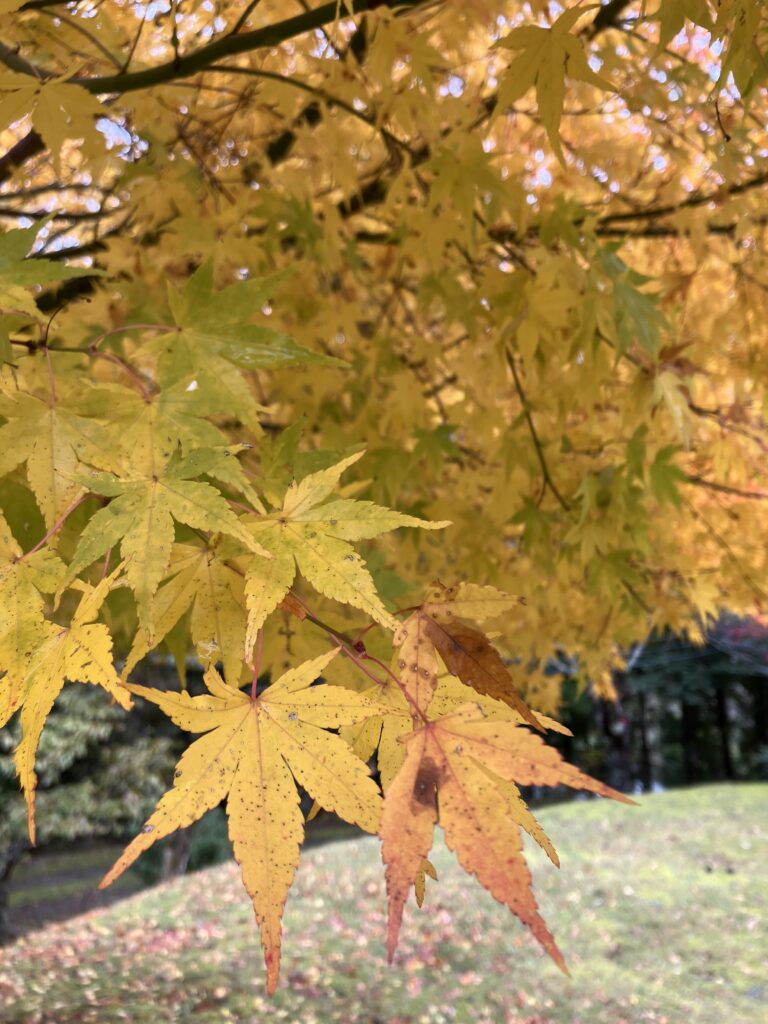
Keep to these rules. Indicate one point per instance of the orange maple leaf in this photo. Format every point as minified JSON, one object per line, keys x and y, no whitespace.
{"x":460,"y":770}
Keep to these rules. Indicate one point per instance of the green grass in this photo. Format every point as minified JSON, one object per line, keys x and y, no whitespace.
{"x":660,"y":911}
{"x":38,"y":893}
{"x":96,"y":858}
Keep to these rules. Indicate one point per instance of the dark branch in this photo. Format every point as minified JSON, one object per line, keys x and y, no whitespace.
{"x":609,"y":16}
{"x":23,"y":150}
{"x":228,"y":46}
{"x":738,"y":492}
{"x":653,"y":212}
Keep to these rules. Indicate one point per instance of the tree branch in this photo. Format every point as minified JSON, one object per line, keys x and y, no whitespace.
{"x":227,"y":46}
{"x":18,"y":154}
{"x":244,"y":16}
{"x":548,"y":481}
{"x":12,"y":60}
{"x":607,"y":17}
{"x":699,"y":200}
{"x":739,"y":492}
{"x":332,"y":101}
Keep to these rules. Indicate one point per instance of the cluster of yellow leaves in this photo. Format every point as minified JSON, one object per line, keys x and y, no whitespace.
{"x":446,"y":680}
{"x":444,"y":752}
{"x":563,"y":357}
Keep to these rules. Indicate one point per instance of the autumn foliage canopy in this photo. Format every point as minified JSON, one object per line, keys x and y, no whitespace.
{"x":370,"y":353}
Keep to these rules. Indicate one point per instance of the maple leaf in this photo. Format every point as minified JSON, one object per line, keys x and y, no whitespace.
{"x":80,"y":652}
{"x":23,"y":581}
{"x":548,"y":55}
{"x":200,"y":578}
{"x":461,"y":770}
{"x":18,"y":275}
{"x":44,"y":436}
{"x":314,"y":535}
{"x":140,"y":518}
{"x":250,"y":753}
{"x":118,"y":427}
{"x":60,"y":110}
{"x":665,"y":476}
{"x":211,"y":339}
{"x":417,"y":662}
{"x":467,"y":601}
{"x":405,"y":703}
{"x":467,"y":653}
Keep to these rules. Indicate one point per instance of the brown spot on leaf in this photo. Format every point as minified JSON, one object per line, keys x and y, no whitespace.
{"x":427,"y":781}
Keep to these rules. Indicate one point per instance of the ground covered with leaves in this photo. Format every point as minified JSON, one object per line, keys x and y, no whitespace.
{"x":660,"y":911}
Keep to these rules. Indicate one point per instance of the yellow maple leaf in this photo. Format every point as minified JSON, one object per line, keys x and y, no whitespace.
{"x":61,"y":111}
{"x":467,"y":653}
{"x":80,"y":652}
{"x":314,"y":535}
{"x":23,"y":581}
{"x":547,"y":56}
{"x":467,"y":601}
{"x":140,"y":518}
{"x":43,"y":435}
{"x":200,"y":578}
{"x":250,"y":753}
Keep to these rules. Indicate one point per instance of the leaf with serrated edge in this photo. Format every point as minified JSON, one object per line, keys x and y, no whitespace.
{"x":266,"y":584}
{"x":81,"y":653}
{"x":471,"y":656}
{"x":314,"y":537}
{"x":23,"y":581}
{"x":467,"y":601}
{"x":461,"y":769}
{"x":200,"y":579}
{"x":141,"y":520}
{"x":417,"y":661}
{"x":250,"y":753}
{"x":451,"y":693}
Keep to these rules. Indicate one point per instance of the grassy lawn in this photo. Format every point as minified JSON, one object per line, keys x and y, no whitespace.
{"x":660,"y":911}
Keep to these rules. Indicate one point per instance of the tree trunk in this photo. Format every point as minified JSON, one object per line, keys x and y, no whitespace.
{"x":646,"y":768}
{"x":10,"y":858}
{"x":723,"y":726}
{"x":759,"y":689}
{"x":618,"y":767}
{"x":690,"y":729}
{"x":175,"y":854}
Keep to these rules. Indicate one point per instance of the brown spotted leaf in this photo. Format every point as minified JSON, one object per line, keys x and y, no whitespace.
{"x":467,"y":601}
{"x":471,"y":656}
{"x":416,"y":664}
{"x":250,"y":753}
{"x":460,"y":770}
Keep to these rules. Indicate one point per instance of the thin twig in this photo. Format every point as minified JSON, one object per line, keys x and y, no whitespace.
{"x":93,"y":345}
{"x":134,"y":44}
{"x":400,"y":684}
{"x":244,"y":16}
{"x":738,"y":492}
{"x":76,"y":26}
{"x":549,"y":482}
{"x":313,"y":90}
{"x":56,"y":526}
